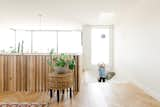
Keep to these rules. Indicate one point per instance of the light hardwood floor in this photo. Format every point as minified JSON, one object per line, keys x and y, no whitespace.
{"x":91,"y":95}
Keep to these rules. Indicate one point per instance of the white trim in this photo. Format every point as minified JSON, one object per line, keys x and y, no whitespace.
{"x":100,"y":26}
{"x":147,"y":90}
{"x":118,"y":81}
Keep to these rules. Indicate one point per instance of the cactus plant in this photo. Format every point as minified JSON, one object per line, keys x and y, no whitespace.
{"x":18,"y":47}
{"x":22,"y":46}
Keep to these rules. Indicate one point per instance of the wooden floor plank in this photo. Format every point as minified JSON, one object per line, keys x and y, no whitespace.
{"x":92,"y":94}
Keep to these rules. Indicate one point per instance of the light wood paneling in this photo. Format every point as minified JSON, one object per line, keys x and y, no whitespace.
{"x":1,"y":74}
{"x":28,"y":73}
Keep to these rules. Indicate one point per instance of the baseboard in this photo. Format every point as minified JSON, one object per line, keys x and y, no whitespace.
{"x":118,"y":81}
{"x":147,"y":90}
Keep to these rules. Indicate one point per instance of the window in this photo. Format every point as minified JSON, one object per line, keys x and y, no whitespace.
{"x":35,"y":41}
{"x":69,"y":42}
{"x":100,"y":45}
{"x":7,"y":41}
{"x":25,"y":37}
{"x":44,"y":41}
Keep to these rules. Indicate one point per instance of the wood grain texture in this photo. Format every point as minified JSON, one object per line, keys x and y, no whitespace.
{"x":91,"y":95}
{"x":1,"y":74}
{"x":28,"y":73}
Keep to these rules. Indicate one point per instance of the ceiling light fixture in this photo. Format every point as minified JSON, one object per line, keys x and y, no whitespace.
{"x":104,"y":16}
{"x":40,"y":20}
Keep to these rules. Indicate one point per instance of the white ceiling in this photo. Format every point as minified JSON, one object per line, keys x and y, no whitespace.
{"x":62,"y":12}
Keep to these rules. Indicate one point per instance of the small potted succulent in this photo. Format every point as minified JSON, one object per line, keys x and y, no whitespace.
{"x":61,"y":63}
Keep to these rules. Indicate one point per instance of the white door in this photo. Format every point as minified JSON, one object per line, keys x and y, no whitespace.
{"x":100,"y":46}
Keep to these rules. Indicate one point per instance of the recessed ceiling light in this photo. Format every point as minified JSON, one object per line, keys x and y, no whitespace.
{"x":106,"y":16}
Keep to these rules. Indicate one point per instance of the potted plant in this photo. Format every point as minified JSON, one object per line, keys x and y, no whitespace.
{"x":61,"y":63}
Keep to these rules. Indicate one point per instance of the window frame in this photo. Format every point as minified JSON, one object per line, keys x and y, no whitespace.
{"x":31,"y":32}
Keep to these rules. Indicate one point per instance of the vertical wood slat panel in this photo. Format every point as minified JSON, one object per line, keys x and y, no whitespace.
{"x":10,"y":76}
{"x":17,"y":73}
{"x":21,"y":70}
{"x":14,"y":72}
{"x":1,"y":73}
{"x":25,"y":72}
{"x":48,"y":68}
{"x":43,"y":73}
{"x":37,"y":76}
{"x":28,"y":73}
{"x":5,"y":74}
{"x":33,"y":73}
{"x":76,"y":74}
{"x":37,"y":73}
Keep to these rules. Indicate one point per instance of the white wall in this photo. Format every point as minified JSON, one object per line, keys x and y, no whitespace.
{"x":137,"y":46}
{"x":136,"y":33}
{"x":86,"y":38}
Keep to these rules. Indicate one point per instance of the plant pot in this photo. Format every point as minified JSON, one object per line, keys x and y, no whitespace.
{"x":60,"y":70}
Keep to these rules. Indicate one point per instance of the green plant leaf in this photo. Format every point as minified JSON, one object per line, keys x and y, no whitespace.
{"x":63,"y":60}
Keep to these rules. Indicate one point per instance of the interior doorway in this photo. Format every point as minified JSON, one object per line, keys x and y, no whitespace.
{"x":97,"y":47}
{"x":101,"y":46}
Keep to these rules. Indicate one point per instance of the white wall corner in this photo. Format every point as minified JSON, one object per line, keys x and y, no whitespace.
{"x":147,"y":90}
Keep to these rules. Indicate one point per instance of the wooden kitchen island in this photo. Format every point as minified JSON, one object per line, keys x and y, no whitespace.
{"x":28,"y":72}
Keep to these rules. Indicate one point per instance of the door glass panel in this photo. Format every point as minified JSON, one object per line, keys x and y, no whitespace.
{"x":100,"y":45}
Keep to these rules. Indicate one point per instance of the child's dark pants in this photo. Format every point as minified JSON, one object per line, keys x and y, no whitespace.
{"x":101,"y":78}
